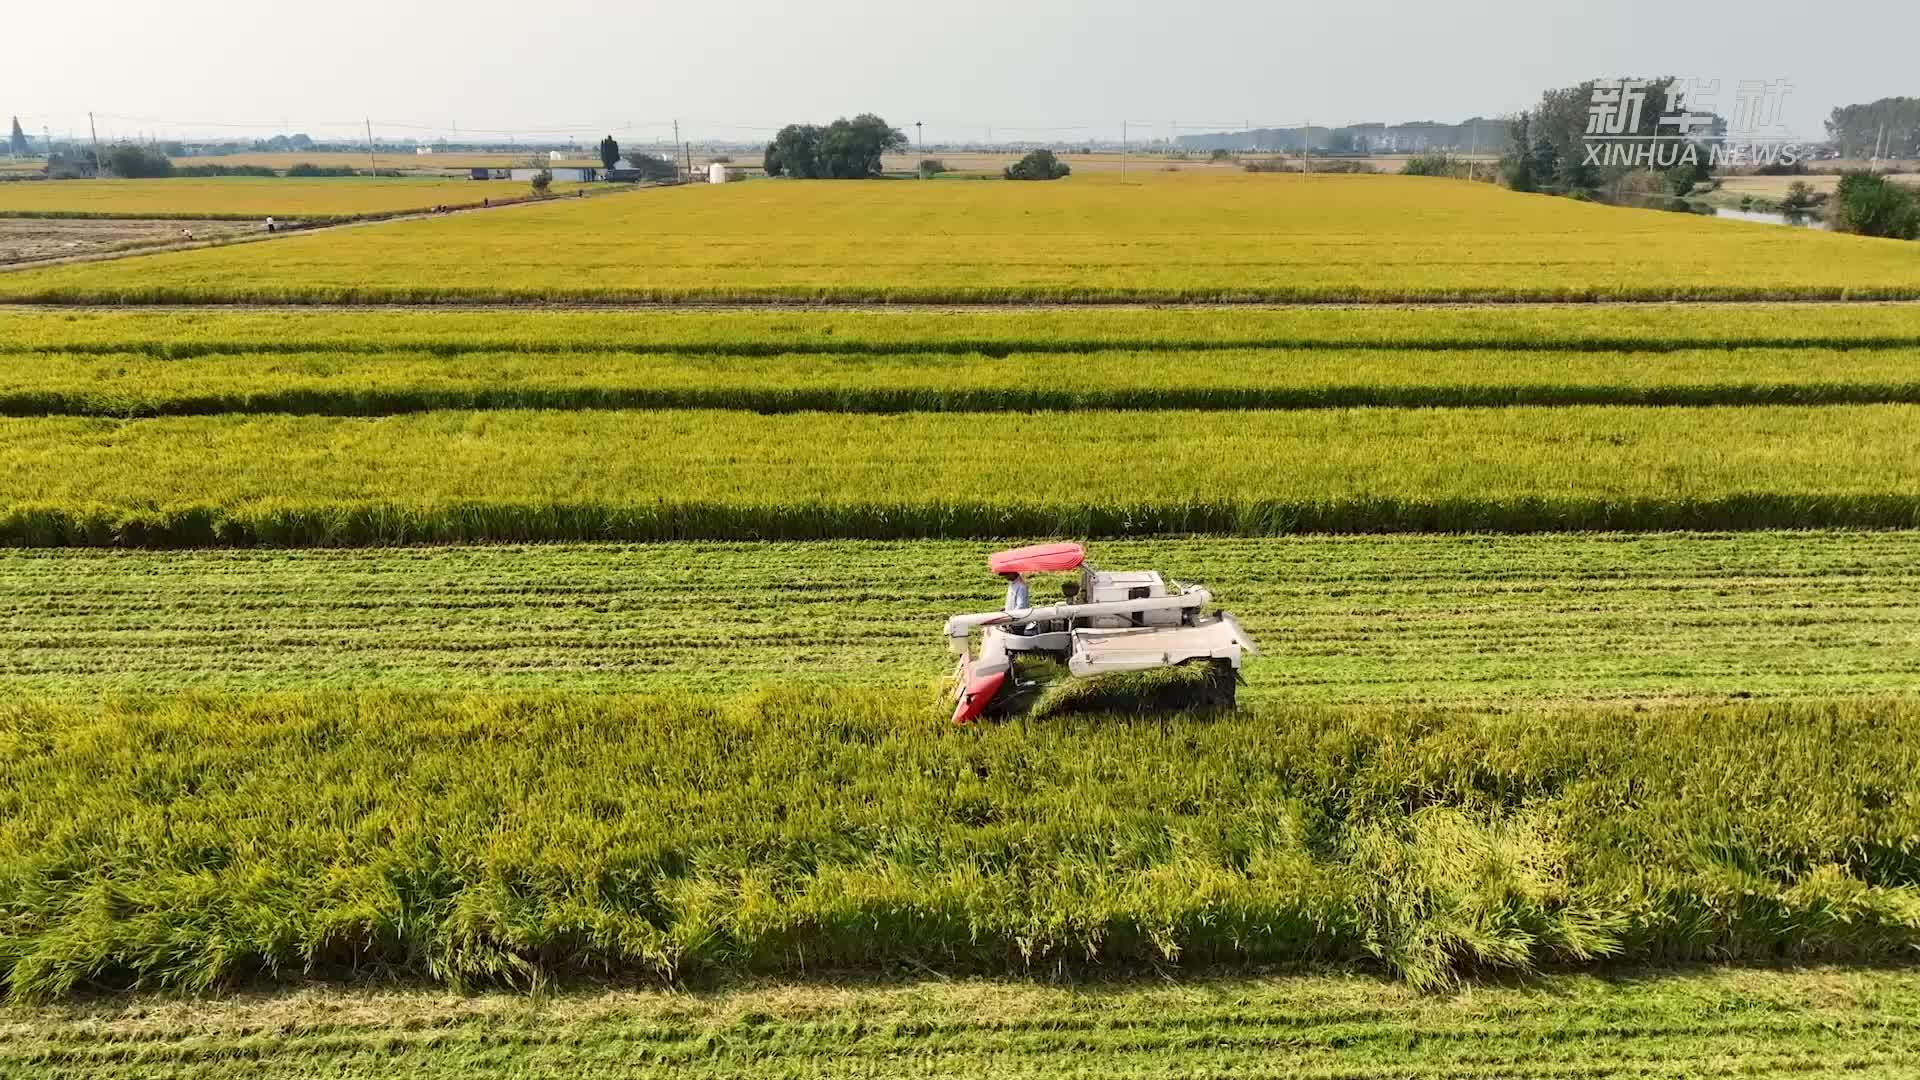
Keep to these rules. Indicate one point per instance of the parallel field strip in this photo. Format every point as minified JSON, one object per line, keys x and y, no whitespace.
{"x":199,"y":331}
{"x":1360,"y":619}
{"x":679,"y":474}
{"x":192,"y":842}
{"x":355,"y":383}
{"x":1754,"y":1023}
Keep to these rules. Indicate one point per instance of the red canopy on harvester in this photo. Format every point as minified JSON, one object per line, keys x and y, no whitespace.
{"x":1038,"y":559}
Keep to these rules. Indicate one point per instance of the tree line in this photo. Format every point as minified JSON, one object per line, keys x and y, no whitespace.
{"x":1889,"y":127}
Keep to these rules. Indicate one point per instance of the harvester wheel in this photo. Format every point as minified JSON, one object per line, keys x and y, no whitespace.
{"x":1223,"y":685}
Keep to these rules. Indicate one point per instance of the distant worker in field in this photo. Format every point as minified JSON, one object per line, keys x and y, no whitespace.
{"x":186,"y":234}
{"x":270,"y":225}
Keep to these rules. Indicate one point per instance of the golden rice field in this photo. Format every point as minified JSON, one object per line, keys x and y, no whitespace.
{"x":376,"y":723}
{"x":215,"y":197}
{"x":892,"y":331}
{"x":505,"y":475}
{"x":1177,"y":236}
{"x":403,"y":381}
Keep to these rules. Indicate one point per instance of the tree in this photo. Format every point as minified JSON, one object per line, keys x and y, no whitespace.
{"x":1891,"y":124}
{"x":609,"y":152}
{"x":17,"y":145}
{"x":541,"y":181}
{"x":1799,"y":197}
{"x":1518,"y":165}
{"x":843,"y":150}
{"x":1868,"y":204}
{"x":1039,"y":165}
{"x":1435,"y":163}
{"x":1549,"y":143}
{"x":138,"y":162}
{"x":652,"y":168}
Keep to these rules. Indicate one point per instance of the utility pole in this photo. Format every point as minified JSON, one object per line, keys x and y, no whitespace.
{"x":1306,"y":134}
{"x":95,"y":134}
{"x":676,"y":142}
{"x":1123,"y":151}
{"x":373,"y":163}
{"x":1471,"y":154}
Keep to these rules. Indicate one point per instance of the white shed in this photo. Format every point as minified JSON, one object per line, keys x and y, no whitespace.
{"x":717,"y":173}
{"x":563,"y":174}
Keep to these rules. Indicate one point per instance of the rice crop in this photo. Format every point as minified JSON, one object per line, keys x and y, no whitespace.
{"x":190,"y":332}
{"x":1206,"y":237}
{"x":1658,"y":1023}
{"x":246,"y":197}
{"x":1474,"y":619}
{"x":390,"y":383}
{"x":191,"y":842}
{"x":687,"y":474}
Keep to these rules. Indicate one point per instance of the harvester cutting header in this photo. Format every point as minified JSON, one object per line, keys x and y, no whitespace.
{"x":1109,"y":621}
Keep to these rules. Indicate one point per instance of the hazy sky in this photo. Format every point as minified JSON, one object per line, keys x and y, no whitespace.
{"x":1038,"y":69}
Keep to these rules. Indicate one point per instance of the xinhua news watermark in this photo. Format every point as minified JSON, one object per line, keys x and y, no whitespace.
{"x":1689,"y":129}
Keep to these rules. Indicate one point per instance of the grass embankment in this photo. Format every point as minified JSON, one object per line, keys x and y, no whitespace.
{"x":1171,"y":237}
{"x":1745,"y":1023}
{"x":1486,"y":619}
{"x":676,"y":475}
{"x":992,"y":332}
{"x":247,"y":197}
{"x":135,"y":385}
{"x":185,"y":843}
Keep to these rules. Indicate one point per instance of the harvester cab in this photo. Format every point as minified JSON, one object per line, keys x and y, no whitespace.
{"x":1108,"y":622}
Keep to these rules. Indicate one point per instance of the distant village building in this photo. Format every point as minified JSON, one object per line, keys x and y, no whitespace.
{"x":562,"y":174}
{"x":423,"y":151}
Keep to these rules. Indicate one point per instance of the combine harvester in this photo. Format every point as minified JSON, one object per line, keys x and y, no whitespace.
{"x":1110,"y":622}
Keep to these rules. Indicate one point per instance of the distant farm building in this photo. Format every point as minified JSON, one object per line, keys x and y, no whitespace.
{"x":565,"y":174}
